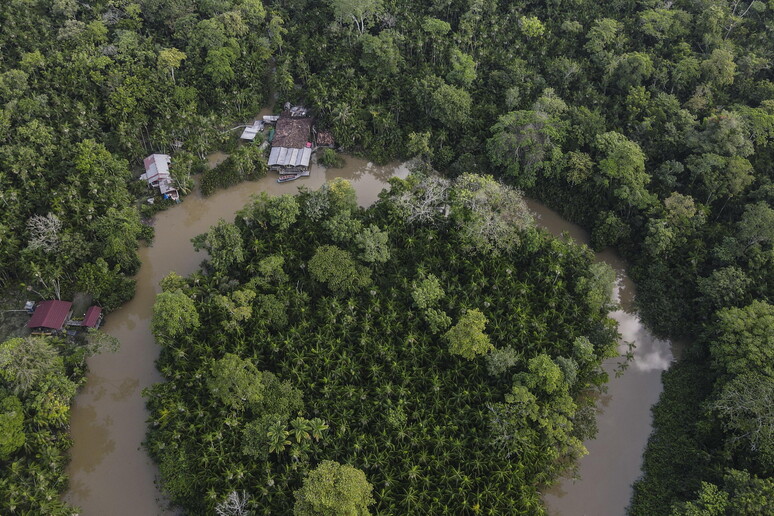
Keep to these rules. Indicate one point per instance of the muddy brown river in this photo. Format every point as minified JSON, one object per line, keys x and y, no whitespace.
{"x":624,"y":419}
{"x":110,"y":473}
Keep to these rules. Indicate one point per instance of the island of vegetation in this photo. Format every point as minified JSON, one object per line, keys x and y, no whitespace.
{"x":437,"y":344}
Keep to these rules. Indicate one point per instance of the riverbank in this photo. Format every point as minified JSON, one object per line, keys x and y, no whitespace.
{"x":110,"y":471}
{"x":624,"y":420}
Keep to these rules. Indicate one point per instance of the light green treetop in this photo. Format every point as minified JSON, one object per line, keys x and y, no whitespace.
{"x":174,"y":314}
{"x":333,"y":489}
{"x":11,"y":426}
{"x":467,"y":337}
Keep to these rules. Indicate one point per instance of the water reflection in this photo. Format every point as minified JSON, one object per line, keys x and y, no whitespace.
{"x":111,"y":474}
{"x":624,"y":419}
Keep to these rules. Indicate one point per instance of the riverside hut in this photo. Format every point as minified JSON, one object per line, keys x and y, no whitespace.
{"x":92,"y":318}
{"x":157,"y":175}
{"x":291,"y":149}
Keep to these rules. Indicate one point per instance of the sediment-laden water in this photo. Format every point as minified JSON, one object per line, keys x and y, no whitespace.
{"x":110,"y":473}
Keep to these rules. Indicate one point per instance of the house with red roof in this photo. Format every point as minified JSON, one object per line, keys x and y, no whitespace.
{"x":50,"y":316}
{"x":93,"y":317}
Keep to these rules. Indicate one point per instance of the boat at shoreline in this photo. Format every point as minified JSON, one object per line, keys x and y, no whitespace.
{"x":284,"y":178}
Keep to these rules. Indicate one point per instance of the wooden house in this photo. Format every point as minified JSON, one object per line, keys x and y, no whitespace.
{"x":157,"y":175}
{"x":92,"y":318}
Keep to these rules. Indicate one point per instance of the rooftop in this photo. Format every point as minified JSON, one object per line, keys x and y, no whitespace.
{"x":156,"y":167}
{"x":92,"y":317}
{"x":325,"y":138}
{"x":251,"y":131}
{"x":50,"y":314}
{"x":292,"y":133}
{"x":287,"y":157}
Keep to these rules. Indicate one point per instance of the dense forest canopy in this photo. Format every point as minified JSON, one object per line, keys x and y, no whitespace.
{"x":437,"y":342}
{"x":649,"y":123}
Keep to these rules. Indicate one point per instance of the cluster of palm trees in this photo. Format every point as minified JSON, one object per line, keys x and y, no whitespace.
{"x":395,"y":402}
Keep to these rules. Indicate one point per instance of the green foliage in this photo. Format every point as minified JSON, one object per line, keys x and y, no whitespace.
{"x":236,"y":382}
{"x":89,"y":88}
{"x":108,"y":287}
{"x":744,"y":339}
{"x":336,"y":268}
{"x":623,"y":167}
{"x":332,"y":489}
{"x":532,"y":27}
{"x":725,"y":286}
{"x":25,"y":362}
{"x":438,"y":320}
{"x":357,"y":12}
{"x":427,"y":292}
{"x":272,"y":270}
{"x":467,"y":337}
{"x":38,"y":382}
{"x":342,"y":227}
{"x":711,"y":502}
{"x":87,"y":92}
{"x":374,"y":244}
{"x":330,"y":159}
{"x":247,"y":162}
{"x":283,"y":211}
{"x":11,"y":426}
{"x":341,"y":195}
{"x":490,"y":215}
{"x":174,"y":314}
{"x":463,"y":69}
{"x":381,"y":54}
{"x":500,"y":360}
{"x":744,"y":407}
{"x":598,"y":286}
{"x":223,"y":243}
{"x":378,"y":388}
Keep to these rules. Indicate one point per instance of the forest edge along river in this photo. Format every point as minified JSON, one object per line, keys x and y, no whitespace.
{"x":110,"y":473}
{"x":623,"y":418}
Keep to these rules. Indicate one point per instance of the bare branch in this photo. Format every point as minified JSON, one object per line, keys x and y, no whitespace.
{"x":44,"y":232}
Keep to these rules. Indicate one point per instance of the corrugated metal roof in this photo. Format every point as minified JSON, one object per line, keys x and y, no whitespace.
{"x":306,"y":156}
{"x":274,"y":155}
{"x":157,"y":167}
{"x":251,"y":131}
{"x":50,"y":314}
{"x":285,"y":157}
